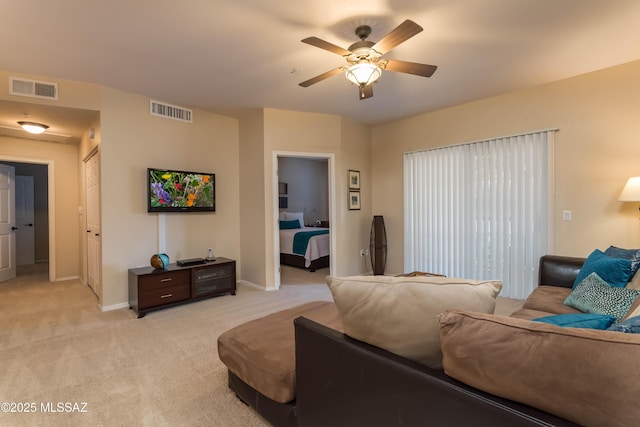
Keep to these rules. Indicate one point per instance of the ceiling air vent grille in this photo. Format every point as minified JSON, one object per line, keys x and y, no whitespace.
{"x":171,"y":111}
{"x":33,"y":88}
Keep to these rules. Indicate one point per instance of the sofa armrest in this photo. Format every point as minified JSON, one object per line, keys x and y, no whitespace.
{"x":345,"y":382}
{"x":559,"y":270}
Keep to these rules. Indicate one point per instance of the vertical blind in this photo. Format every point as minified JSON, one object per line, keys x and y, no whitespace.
{"x":481,"y":210}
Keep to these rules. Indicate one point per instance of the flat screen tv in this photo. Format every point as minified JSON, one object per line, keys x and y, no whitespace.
{"x":180,"y":191}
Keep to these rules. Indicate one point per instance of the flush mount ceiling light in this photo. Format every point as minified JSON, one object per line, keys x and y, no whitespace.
{"x":33,"y":127}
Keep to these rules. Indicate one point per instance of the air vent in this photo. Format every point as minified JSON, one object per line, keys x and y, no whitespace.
{"x":171,"y":111}
{"x":33,"y":88}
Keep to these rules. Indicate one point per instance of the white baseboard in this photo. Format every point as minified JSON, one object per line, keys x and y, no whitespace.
{"x":114,"y":306}
{"x":253,"y":285}
{"x":62,"y":279}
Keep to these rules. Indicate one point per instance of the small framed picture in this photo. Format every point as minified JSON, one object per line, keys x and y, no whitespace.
{"x":282,"y":188}
{"x":354,"y":180}
{"x":354,"y":200}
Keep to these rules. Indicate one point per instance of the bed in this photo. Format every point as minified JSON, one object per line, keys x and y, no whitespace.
{"x":300,"y":246}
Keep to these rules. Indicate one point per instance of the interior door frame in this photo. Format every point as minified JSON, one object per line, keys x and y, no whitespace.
{"x":51,"y":199}
{"x":331,"y":172}
{"x":98,"y":286}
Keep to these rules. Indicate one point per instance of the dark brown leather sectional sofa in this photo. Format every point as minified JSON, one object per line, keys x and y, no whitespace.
{"x":344,"y":382}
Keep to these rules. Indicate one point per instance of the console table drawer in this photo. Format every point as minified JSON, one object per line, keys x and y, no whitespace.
{"x":163,"y":280}
{"x":166,"y":295}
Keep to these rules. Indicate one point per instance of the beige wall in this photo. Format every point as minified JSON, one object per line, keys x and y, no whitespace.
{"x":131,"y":141}
{"x":270,"y":131}
{"x":252,"y":204}
{"x":596,"y":151}
{"x":354,"y":226}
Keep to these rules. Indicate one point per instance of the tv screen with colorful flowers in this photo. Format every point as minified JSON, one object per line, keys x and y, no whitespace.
{"x":180,"y":191}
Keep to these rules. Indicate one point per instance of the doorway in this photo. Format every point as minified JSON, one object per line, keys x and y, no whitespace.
{"x":32,"y":201}
{"x":303,"y":185}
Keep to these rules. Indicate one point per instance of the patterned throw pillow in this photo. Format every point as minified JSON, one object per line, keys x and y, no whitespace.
{"x":629,"y":326}
{"x":594,"y":295}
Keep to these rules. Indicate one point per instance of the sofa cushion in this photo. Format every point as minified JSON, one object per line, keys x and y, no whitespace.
{"x":528,"y":314}
{"x":635,"y":282}
{"x":549,"y":299}
{"x":579,"y":320}
{"x":586,"y":376}
{"x":634,"y":310}
{"x":615,"y":271}
{"x":594,"y":295}
{"x":261,"y":352}
{"x":399,"y":314}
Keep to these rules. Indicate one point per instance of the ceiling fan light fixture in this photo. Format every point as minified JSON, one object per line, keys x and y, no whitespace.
{"x":363,"y":73}
{"x":33,"y":127}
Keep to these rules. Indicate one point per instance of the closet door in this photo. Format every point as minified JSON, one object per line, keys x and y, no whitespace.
{"x":94,"y":252}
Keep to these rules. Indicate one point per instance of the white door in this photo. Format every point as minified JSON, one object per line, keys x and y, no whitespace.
{"x":92,"y":184}
{"x":25,"y":234}
{"x":7,"y":223}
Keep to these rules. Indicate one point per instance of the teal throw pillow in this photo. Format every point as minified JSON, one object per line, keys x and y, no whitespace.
{"x":594,"y":295}
{"x":615,"y":271}
{"x":579,"y":320}
{"x":632,"y":255}
{"x":290,"y":225}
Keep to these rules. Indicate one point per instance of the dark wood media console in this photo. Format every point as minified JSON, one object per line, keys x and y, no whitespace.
{"x":152,"y":289}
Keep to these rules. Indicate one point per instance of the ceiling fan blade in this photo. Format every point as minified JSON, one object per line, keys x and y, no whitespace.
{"x":410,"y":68}
{"x":314,"y":41}
{"x":402,"y":32}
{"x":321,"y":77}
{"x":365,"y":91}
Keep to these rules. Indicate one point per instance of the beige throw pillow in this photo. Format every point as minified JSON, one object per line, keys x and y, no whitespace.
{"x":400,"y":314}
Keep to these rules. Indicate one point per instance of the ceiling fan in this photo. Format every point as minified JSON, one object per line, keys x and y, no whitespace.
{"x":364,"y":58}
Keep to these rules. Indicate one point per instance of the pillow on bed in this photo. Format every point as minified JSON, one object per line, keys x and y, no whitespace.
{"x":289,"y":225}
{"x":290,"y":216}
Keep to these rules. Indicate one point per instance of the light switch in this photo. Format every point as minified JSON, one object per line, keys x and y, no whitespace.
{"x":566,"y":215}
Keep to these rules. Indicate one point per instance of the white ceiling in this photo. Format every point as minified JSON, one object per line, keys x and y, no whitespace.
{"x":228,"y":56}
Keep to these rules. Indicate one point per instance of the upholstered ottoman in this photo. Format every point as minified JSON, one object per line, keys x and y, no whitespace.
{"x":260,"y":356}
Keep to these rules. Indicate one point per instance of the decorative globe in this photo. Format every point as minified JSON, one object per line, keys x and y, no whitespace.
{"x":160,"y":261}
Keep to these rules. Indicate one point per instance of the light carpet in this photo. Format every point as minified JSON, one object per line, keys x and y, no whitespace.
{"x":56,"y":347}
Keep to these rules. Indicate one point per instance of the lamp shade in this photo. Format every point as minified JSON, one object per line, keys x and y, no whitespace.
{"x":631,"y":191}
{"x":363,"y":73}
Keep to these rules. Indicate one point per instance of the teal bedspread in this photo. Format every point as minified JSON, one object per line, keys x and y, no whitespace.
{"x":301,"y":240}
